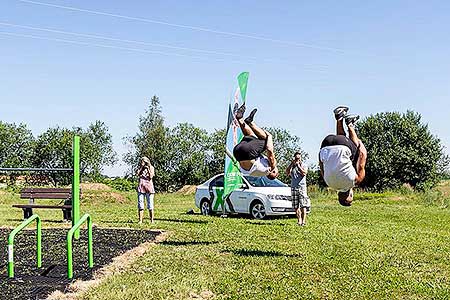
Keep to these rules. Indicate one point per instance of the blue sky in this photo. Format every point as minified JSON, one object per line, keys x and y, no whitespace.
{"x":373,"y":56}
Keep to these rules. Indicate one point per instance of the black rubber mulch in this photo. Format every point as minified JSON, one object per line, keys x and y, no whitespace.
{"x":33,"y":283}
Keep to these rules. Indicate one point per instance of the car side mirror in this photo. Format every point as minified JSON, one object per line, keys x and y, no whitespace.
{"x":244,"y":186}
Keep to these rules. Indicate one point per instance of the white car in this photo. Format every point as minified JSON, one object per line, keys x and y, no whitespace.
{"x":258,"y":196}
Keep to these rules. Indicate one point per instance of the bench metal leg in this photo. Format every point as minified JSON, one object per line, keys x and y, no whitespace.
{"x":67,"y":214}
{"x":27,"y":212}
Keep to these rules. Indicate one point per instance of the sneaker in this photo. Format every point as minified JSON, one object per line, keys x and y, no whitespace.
{"x":350,"y":120}
{"x":239,"y":112}
{"x":249,"y":119}
{"x":340,"y":112}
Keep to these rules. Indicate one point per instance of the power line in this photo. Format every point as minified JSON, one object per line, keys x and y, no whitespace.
{"x":119,"y":40}
{"x":95,"y":36}
{"x":119,"y":47}
{"x":196,"y":28}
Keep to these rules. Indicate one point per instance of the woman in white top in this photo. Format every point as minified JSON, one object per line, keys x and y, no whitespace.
{"x":249,"y":151}
{"x":342,"y":159}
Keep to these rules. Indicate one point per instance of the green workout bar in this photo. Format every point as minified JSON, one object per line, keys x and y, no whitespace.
{"x":76,"y":184}
{"x":70,"y":234}
{"x":11,"y":236}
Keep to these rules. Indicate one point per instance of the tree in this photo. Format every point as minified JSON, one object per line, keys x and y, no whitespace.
{"x":151,"y":140}
{"x":16,"y":145}
{"x":401,"y":150}
{"x":216,"y":152}
{"x":285,"y":145}
{"x":97,"y":150}
{"x":189,"y":147}
{"x":53,"y":149}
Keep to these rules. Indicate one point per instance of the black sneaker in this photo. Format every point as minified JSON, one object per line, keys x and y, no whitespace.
{"x":340,"y":112}
{"x":239,"y":113}
{"x":249,"y":119}
{"x":350,"y":120}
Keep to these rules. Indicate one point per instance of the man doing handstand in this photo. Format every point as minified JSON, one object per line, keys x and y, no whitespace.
{"x":342,"y":159}
{"x":249,"y":151}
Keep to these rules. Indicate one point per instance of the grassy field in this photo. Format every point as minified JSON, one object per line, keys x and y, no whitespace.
{"x":386,"y":246}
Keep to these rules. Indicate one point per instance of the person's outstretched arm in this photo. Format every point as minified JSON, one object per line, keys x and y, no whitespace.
{"x":320,"y":166}
{"x":361,"y":164}
{"x":289,"y":168}
{"x":303,"y":170}
{"x":270,"y":152}
{"x":152,"y":172}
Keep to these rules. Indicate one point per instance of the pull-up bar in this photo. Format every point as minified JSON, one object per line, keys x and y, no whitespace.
{"x":12,"y":170}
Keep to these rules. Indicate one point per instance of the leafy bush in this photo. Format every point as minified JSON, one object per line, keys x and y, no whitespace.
{"x":401,"y":150}
{"x":121,"y":184}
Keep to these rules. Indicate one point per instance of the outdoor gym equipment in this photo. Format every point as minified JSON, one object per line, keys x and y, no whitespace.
{"x":75,"y":170}
{"x":84,"y":218}
{"x":76,"y":221}
{"x":38,"y":243}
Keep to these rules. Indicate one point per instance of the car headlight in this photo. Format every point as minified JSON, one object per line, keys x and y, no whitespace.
{"x":278,"y":197}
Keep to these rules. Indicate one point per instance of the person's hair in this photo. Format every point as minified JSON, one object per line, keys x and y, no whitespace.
{"x":297,"y":153}
{"x":343,"y":198}
{"x":146,"y":160}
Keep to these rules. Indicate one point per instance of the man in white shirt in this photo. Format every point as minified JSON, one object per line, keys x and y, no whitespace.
{"x":342,"y":159}
{"x":249,"y":151}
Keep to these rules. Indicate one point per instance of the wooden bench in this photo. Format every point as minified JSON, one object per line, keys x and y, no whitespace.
{"x":46,"y":193}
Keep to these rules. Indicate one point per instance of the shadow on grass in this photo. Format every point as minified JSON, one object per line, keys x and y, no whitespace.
{"x":186,"y":243}
{"x":183,"y":221}
{"x":43,"y":220}
{"x":265,"y":223}
{"x":261,"y":253}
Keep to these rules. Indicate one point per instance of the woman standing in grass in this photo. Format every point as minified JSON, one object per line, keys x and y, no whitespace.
{"x":145,"y":188}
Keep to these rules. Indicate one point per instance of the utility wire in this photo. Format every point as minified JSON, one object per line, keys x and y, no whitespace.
{"x":316,"y":68}
{"x":119,"y":47}
{"x":95,"y":36}
{"x":196,"y":28}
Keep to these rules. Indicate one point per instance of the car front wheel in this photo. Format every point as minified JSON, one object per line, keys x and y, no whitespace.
{"x":205,"y":207}
{"x":257,"y":210}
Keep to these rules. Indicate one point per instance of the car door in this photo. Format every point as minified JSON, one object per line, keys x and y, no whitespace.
{"x":240,"y":198}
{"x":216,"y":193}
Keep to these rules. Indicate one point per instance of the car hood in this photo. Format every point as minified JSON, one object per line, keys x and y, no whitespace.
{"x":285,"y":191}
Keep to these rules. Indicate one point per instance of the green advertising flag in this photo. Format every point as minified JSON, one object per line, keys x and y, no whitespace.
{"x":232,"y":177}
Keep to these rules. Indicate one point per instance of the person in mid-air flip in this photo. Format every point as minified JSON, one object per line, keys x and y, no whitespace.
{"x":249,"y":151}
{"x":342,"y":159}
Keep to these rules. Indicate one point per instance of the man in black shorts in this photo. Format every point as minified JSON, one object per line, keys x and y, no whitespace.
{"x":342,"y":159}
{"x":249,"y":151}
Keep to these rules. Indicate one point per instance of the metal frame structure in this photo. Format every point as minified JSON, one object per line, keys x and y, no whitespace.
{"x":70,"y":234}
{"x":75,"y":179}
{"x":38,"y":243}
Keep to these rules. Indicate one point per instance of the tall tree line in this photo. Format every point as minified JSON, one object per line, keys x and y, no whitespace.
{"x":53,"y":149}
{"x":186,"y":154}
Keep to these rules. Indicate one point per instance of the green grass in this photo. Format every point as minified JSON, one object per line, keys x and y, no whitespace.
{"x":386,"y":246}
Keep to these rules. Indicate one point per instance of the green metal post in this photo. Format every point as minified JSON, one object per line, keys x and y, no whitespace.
{"x":76,"y":183}
{"x":38,"y":243}
{"x":70,"y":235}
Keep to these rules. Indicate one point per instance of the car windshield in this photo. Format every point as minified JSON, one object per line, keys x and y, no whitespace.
{"x":264,"y":182}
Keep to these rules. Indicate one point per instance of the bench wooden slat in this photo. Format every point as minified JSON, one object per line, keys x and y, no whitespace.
{"x":45,"y":196}
{"x":42,"y":206}
{"x":46,"y":190}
